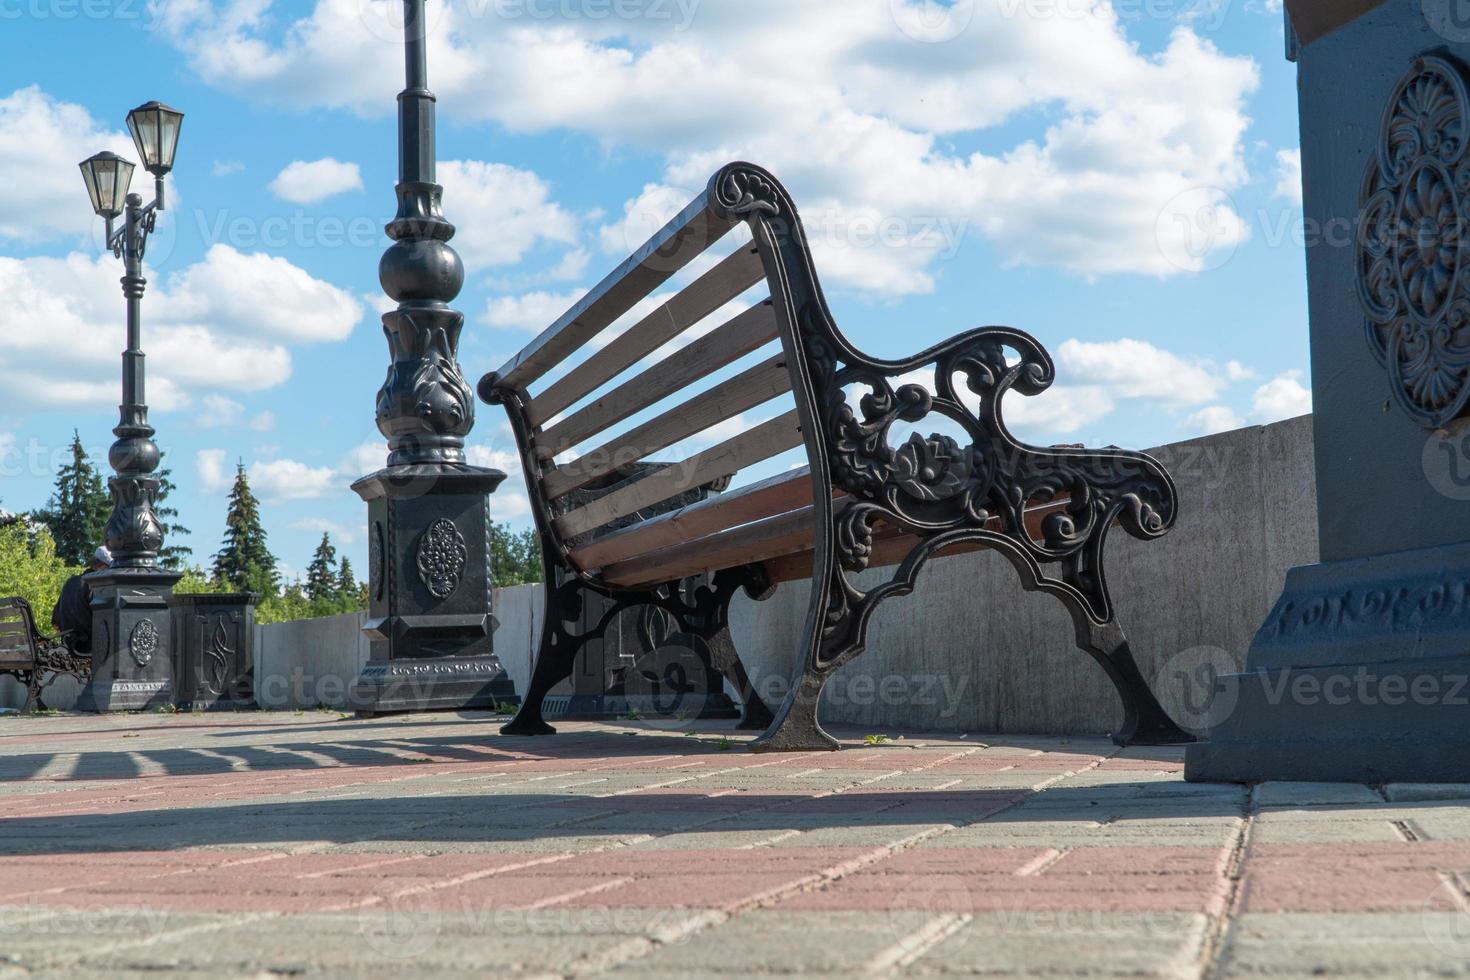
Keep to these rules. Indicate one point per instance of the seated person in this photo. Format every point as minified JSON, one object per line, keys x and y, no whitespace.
{"x":72,"y":616}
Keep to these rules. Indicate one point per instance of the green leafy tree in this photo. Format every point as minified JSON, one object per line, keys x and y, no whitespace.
{"x":194,"y":582}
{"x":78,"y":509}
{"x":31,"y":568}
{"x":515,"y":556}
{"x":321,"y":574}
{"x":244,"y":561}
{"x":172,"y":555}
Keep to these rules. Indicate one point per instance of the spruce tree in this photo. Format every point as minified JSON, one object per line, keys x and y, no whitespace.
{"x":244,"y":561}
{"x":78,"y":509}
{"x":172,"y":555}
{"x":321,"y":574}
{"x":346,"y":583}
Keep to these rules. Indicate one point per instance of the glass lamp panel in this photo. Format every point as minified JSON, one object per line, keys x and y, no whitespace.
{"x":155,"y":128}
{"x":108,"y":178}
{"x":143,"y":124}
{"x":169,"y":124}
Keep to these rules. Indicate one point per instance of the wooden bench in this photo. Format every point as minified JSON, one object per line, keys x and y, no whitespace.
{"x":585,"y":401}
{"x":27,"y":654}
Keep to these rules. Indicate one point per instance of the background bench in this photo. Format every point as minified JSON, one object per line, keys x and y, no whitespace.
{"x":621,"y":377}
{"x":27,"y":654}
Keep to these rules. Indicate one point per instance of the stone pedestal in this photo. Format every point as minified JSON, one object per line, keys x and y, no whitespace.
{"x":430,"y":622}
{"x":214,"y":651}
{"x":1359,"y":674}
{"x":132,"y":641}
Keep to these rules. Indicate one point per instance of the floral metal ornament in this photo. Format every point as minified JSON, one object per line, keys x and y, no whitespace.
{"x":1413,"y":265}
{"x":442,"y":558}
{"x":143,"y":642}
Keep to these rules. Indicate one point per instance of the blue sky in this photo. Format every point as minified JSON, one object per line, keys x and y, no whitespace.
{"x":1117,"y":179}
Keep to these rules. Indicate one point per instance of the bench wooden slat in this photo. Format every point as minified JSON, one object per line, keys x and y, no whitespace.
{"x":768,"y":439}
{"x":754,"y":386}
{"x":778,"y":495}
{"x":737,"y":337}
{"x":745,"y":545}
{"x":778,"y":543}
{"x":678,"y":243}
{"x":734,"y":274}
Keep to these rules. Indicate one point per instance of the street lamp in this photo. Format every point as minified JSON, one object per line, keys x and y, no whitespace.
{"x":132,"y":630}
{"x":430,"y":625}
{"x":133,"y":533}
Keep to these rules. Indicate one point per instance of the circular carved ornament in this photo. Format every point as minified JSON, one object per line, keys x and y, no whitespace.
{"x":442,"y":558}
{"x":377,"y":572}
{"x":1413,"y":255}
{"x":143,"y":642}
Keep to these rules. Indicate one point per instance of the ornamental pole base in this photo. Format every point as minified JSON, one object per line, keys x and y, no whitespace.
{"x":132,"y":641}
{"x":1361,"y":674}
{"x":430,"y":623}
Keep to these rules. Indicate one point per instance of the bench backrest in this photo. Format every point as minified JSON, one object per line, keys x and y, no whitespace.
{"x":17,"y":634}
{"x":626,"y":374}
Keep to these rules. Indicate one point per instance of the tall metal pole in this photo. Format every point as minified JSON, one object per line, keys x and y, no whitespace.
{"x":429,"y":612}
{"x":132,"y":630}
{"x":425,"y":408}
{"x":133,"y":533}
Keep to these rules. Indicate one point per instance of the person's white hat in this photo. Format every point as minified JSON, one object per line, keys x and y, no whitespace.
{"x":102,"y":556}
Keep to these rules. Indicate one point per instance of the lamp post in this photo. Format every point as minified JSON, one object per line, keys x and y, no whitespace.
{"x":130,"y":635}
{"x":429,"y":622}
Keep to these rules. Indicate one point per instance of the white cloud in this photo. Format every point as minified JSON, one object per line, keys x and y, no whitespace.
{"x":206,"y":327}
{"x":1136,"y":369}
{"x":1284,"y":397}
{"x":288,"y":479}
{"x":1236,"y":371}
{"x":42,"y":139}
{"x":341,"y":533}
{"x":533,"y":311}
{"x":1058,"y":411}
{"x":226,"y":290}
{"x":1289,"y":175}
{"x":862,"y":124}
{"x":301,"y":182}
{"x":209,"y":464}
{"x":217,"y":411}
{"x":225,"y":168}
{"x":1215,"y":418}
{"x":501,"y":212}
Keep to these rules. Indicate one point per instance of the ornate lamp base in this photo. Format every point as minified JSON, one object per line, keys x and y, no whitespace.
{"x":1359,"y":675}
{"x":132,"y":641}
{"x":430,"y":621}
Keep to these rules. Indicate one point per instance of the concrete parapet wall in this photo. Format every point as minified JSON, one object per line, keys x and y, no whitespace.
{"x":969,"y":650}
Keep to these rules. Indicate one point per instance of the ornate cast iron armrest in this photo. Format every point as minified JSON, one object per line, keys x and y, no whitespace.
{"x":54,"y":654}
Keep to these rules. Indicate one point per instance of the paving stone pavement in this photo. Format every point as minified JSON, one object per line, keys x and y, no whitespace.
{"x":321,"y":845}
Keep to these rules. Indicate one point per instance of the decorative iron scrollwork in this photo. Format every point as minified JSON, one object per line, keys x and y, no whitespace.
{"x":933,"y":484}
{"x":143,"y":642}
{"x":442,"y":557}
{"x":1412,"y":268}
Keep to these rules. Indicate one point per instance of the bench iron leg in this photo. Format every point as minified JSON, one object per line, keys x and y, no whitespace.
{"x":755,"y":716}
{"x":701,"y":611}
{"x":33,"y":691}
{"x":796,"y":728}
{"x":558,"y":653}
{"x":1145,"y":722}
